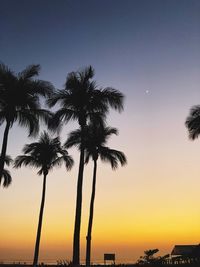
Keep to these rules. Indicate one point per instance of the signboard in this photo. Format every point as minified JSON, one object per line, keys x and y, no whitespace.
{"x":109,"y":257}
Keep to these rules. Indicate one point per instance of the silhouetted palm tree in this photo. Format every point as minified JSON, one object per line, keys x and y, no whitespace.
{"x":44,"y":154}
{"x":6,"y":176}
{"x":193,"y":122}
{"x":81,"y":100}
{"x":96,"y":137}
{"x":19,"y":101}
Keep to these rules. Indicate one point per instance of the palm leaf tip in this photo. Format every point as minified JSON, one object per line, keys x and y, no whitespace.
{"x":6,"y":177}
{"x":114,"y":98}
{"x":58,"y":118}
{"x":192,"y":122}
{"x":74,"y":139}
{"x":26,"y":161}
{"x":43,"y":88}
{"x":8,"y":160}
{"x":5,"y":70}
{"x":28,"y":119}
{"x":122,"y":158}
{"x":30,"y":71}
{"x":69,"y":162}
{"x":88,"y":72}
{"x":113,"y":157}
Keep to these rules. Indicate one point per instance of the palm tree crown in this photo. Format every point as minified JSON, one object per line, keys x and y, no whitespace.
{"x":96,"y":137}
{"x":19,"y":97}
{"x":44,"y":154}
{"x":81,"y":99}
{"x":19,"y":101}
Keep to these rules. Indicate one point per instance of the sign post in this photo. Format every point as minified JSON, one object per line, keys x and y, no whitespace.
{"x":109,"y":257}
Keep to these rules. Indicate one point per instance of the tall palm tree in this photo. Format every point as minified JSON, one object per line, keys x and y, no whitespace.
{"x":81,"y":100}
{"x":6,"y":176}
{"x":44,"y":154}
{"x":96,"y":137}
{"x":193,"y":122}
{"x":19,"y":101}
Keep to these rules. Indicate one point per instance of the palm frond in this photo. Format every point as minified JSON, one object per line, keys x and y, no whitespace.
{"x":120,"y":156}
{"x":87,"y":73}
{"x":69,"y":162}
{"x":112,"y":156}
{"x":97,"y":118}
{"x":26,"y":102}
{"x":8,"y":160}
{"x":88,"y":156}
{"x":28,"y":119}
{"x":41,"y":172}
{"x":57,"y":162}
{"x":96,"y":101}
{"x":2,"y":116}
{"x":110,"y":130}
{"x":66,"y":159}
{"x":43,"y":115}
{"x":6,"y":177}
{"x":113,"y":98}
{"x":6,"y":74}
{"x":193,"y":122}
{"x":30,"y":71}
{"x":59,"y":117}
{"x":108,"y":157}
{"x":74,"y":139}
{"x":26,"y":161}
{"x":72,"y":81}
{"x":42,"y":88}
{"x":56,"y":97}
{"x":29,"y":148}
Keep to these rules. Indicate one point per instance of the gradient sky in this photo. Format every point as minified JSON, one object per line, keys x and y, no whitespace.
{"x":134,"y":46}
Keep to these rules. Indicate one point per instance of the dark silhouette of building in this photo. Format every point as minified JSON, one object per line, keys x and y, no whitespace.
{"x":186,"y":253}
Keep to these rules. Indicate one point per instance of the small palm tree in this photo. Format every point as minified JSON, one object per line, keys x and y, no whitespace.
{"x":81,"y":100}
{"x":19,"y":102}
{"x":95,"y":139}
{"x":193,"y":122}
{"x":6,"y":176}
{"x":44,"y":154}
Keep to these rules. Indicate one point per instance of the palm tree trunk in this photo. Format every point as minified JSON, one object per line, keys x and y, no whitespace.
{"x":4,"y":147}
{"x":37,"y":243}
{"x":77,"y":225}
{"x":89,"y":233}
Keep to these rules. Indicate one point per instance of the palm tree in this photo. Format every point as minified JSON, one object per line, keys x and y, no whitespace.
{"x":44,"y":154}
{"x":81,"y":100}
{"x":6,"y":176}
{"x":19,"y":102}
{"x":96,"y":137}
{"x":193,"y":122}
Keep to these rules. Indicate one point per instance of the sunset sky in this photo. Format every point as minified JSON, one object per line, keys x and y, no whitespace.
{"x":150,"y":51}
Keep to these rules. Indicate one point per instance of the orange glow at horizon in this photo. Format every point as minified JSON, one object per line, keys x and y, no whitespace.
{"x":148,"y":218}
